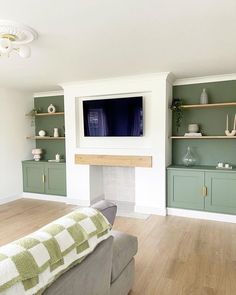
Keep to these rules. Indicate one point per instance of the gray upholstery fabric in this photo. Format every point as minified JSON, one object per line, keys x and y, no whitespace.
{"x":108,"y":209}
{"x":123,"y":284}
{"x":91,"y":277}
{"x":112,"y":261}
{"x":124,"y":248}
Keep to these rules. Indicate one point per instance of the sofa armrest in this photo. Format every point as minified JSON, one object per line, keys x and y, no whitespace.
{"x":108,"y":209}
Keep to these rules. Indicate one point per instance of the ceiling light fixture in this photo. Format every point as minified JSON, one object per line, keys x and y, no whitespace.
{"x":14,"y":37}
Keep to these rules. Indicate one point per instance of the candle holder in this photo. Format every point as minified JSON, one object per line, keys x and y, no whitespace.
{"x":233,"y":132}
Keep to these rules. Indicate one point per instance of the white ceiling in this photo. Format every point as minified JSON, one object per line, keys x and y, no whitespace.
{"x":91,"y":39}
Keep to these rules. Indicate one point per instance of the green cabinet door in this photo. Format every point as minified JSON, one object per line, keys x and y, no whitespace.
{"x":185,"y":189}
{"x":221,"y":192}
{"x":33,"y":177}
{"x":55,"y":179}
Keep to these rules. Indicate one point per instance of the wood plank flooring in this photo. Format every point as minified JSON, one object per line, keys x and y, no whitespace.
{"x":177,"y":256}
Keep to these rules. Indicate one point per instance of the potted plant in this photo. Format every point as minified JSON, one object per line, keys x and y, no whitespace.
{"x":176,"y":107}
{"x":32,"y":114}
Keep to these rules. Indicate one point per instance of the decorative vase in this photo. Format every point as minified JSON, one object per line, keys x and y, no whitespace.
{"x":189,"y":159}
{"x":204,"y":97}
{"x":58,"y":157}
{"x":42,"y":133}
{"x":51,"y":109}
{"x":193,"y":128}
{"x":56,"y":133}
{"x":37,"y":154}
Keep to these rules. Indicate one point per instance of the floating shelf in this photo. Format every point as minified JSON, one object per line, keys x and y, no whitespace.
{"x":204,"y":137}
{"x":209,"y":105}
{"x":45,"y":137}
{"x":46,"y":114}
{"x":49,"y":114}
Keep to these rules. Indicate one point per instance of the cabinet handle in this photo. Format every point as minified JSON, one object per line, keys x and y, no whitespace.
{"x":43,"y":178}
{"x":204,"y":191}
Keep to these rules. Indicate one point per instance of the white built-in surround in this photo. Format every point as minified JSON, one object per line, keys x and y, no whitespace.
{"x":146,"y":186}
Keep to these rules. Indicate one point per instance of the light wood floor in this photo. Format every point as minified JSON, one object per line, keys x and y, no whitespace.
{"x":177,"y":256}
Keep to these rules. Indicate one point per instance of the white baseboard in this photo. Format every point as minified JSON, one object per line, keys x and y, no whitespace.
{"x":202,"y":215}
{"x":53,"y":198}
{"x":44,"y":197}
{"x":81,"y":203}
{"x":9,"y":199}
{"x":150,"y":210}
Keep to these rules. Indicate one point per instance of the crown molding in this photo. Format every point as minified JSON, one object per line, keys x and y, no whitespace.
{"x":149,"y":76}
{"x":49,"y":93}
{"x":205,"y":79}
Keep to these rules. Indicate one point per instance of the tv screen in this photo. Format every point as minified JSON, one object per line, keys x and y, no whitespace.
{"x":113,"y":117}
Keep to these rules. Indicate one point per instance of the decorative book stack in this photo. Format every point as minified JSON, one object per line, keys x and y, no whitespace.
{"x":197,"y":134}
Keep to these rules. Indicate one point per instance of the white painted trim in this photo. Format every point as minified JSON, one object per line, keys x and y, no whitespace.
{"x":49,"y":93}
{"x":205,"y":79}
{"x":202,"y":215}
{"x":54,"y":198}
{"x":150,"y":210}
{"x":44,"y":197}
{"x":9,"y":199}
{"x":116,"y":79}
{"x":83,"y":203}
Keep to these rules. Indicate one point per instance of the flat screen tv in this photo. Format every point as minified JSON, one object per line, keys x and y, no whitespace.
{"x":113,"y":117}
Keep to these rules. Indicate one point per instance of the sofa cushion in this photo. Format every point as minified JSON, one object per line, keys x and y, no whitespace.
{"x":125,"y":247}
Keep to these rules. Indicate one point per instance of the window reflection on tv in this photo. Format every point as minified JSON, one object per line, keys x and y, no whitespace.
{"x":113,"y":117}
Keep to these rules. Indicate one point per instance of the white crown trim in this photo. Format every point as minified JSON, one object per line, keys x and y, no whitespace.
{"x":49,"y":93}
{"x":205,"y":79}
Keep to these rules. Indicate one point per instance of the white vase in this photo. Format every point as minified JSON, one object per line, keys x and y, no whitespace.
{"x":204,"y":97}
{"x":56,"y":133}
{"x":42,"y":133}
{"x":51,"y":109}
{"x":193,"y":128}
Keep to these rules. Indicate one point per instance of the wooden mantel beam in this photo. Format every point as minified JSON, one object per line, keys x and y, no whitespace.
{"x":113,"y":160}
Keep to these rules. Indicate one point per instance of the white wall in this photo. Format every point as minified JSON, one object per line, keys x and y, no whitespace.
{"x":150,"y":185}
{"x":14,"y":127}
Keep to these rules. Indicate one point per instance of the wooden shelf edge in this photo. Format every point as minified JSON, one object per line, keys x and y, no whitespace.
{"x":203,"y":137}
{"x":49,"y":114}
{"x":114,"y":160}
{"x":45,"y":137}
{"x":209,"y":105}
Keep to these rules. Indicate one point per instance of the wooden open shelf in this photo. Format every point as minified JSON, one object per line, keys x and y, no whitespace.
{"x":209,"y":105}
{"x":45,"y":114}
{"x":49,"y":114}
{"x":204,"y":137}
{"x":111,"y":160}
{"x":45,"y":137}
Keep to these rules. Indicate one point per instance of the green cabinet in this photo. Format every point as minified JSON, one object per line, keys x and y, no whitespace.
{"x":202,"y":188}
{"x":44,"y":178}
{"x":184,"y":189}
{"x":221,"y":192}
{"x":33,"y":177}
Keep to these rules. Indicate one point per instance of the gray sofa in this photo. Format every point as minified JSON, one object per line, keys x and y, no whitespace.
{"x":109,"y":270}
